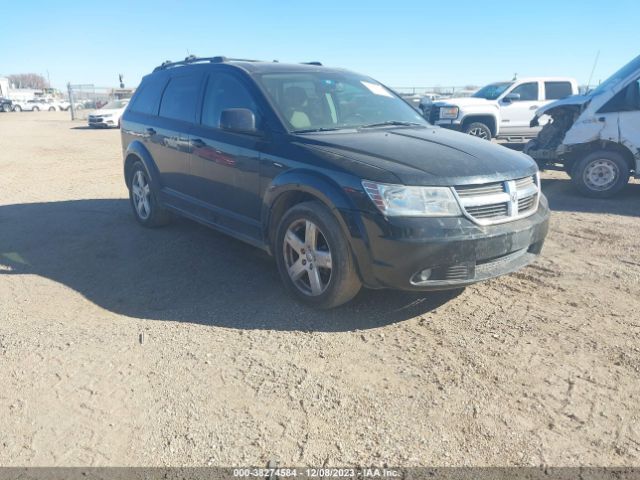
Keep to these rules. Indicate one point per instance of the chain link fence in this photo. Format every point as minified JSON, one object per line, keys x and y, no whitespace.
{"x":85,"y":98}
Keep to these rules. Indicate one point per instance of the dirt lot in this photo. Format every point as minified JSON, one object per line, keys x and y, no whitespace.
{"x":539,"y":367}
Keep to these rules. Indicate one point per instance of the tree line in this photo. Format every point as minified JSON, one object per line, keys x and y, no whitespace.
{"x":28,"y":80}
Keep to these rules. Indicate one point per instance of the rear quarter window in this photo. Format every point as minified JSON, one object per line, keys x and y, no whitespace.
{"x":147,"y":97}
{"x":557,"y":90}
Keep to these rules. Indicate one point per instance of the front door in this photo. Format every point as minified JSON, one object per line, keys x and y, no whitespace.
{"x":517,"y":113}
{"x":226,"y":164}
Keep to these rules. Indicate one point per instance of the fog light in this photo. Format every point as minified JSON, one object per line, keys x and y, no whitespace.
{"x":424,"y":275}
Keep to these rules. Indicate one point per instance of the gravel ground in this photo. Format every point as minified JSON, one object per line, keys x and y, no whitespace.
{"x":178,"y":346}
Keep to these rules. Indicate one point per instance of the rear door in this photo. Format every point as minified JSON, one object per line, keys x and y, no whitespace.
{"x":226,"y":164}
{"x":517,"y":114}
{"x":171,"y":139}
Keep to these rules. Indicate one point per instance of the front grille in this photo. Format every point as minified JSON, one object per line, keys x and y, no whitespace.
{"x":525,"y":204}
{"x":475,"y":190}
{"x":498,"y":202}
{"x":494,"y":210}
{"x":457,"y":272}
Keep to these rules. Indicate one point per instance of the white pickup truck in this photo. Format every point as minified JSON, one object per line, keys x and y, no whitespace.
{"x":502,"y":109}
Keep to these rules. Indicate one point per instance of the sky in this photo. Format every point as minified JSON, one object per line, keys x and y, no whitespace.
{"x":401,"y":43}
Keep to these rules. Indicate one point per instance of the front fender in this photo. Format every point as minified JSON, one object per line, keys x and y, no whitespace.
{"x":336,"y":198}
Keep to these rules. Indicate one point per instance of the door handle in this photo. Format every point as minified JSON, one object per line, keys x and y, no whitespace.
{"x":602,"y":119}
{"x":533,"y":107}
{"x":150,"y":132}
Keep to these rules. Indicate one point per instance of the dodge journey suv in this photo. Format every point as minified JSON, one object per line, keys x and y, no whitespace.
{"x":332,"y":173}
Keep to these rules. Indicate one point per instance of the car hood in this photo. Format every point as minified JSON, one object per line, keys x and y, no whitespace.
{"x":463,"y":101}
{"x":425,"y":156}
{"x":576,"y":100}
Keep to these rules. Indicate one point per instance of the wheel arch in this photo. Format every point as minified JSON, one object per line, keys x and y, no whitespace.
{"x":297,"y":186}
{"x":580,"y":151}
{"x":136,"y":151}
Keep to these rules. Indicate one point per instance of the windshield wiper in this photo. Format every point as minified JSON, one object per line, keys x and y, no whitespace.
{"x":392,"y":123}
{"x":320,"y":129}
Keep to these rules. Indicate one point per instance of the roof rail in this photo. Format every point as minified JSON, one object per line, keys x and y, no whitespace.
{"x":193,"y":59}
{"x":318,"y":64}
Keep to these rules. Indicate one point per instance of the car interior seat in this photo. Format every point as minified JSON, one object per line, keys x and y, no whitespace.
{"x":295,"y":102}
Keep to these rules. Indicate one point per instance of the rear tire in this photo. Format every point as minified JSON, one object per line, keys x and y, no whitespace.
{"x":17,"y":108}
{"x":314,"y":258}
{"x":478,"y":129}
{"x":35,"y":109}
{"x":601,"y":174}
{"x":52,"y":109}
{"x":144,"y":202}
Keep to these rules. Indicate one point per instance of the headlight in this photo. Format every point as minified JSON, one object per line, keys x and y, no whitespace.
{"x":449,"y":112}
{"x":403,"y":201}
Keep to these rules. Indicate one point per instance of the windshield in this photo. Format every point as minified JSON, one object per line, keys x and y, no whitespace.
{"x":621,"y":74}
{"x":114,"y":104}
{"x":492,"y":91}
{"x":329,"y":101}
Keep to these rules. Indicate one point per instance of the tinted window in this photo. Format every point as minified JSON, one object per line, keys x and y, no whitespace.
{"x":527,"y":91}
{"x":225,"y":91}
{"x":626,"y":100}
{"x":179,"y":99}
{"x":556,"y":90}
{"x":147,"y":97}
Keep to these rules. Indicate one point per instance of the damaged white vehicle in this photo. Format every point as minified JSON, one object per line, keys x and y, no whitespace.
{"x":594,"y":137}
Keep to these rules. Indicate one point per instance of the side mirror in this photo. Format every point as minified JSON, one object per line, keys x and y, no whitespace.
{"x":240,"y":120}
{"x":511,"y":97}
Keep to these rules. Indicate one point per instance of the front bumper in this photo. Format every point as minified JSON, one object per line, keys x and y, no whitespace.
{"x":454,"y":251}
{"x":101,"y":122}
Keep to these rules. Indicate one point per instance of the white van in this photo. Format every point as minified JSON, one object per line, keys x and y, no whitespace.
{"x":594,"y":137}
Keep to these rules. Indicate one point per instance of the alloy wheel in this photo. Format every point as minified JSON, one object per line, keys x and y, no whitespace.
{"x":307,"y":257}
{"x":141,"y":195}
{"x":478,"y":132}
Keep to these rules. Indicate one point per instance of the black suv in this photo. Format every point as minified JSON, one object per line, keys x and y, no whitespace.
{"x":330,"y":172}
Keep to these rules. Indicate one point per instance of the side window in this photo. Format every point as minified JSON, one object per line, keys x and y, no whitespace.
{"x":147,"y":97}
{"x":224,"y":91}
{"x":626,"y":100}
{"x":557,"y":90}
{"x":179,"y":99}
{"x":527,"y":91}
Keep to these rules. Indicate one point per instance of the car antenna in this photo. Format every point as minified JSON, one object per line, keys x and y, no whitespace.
{"x":515,"y":77}
{"x":595,"y":62}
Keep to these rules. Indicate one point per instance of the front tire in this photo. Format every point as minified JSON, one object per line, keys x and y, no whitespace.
{"x":146,"y":208}
{"x":314,"y":258}
{"x":17,"y":108}
{"x":600,"y":174}
{"x":35,"y":109}
{"x":478,"y":129}
{"x":52,"y":109}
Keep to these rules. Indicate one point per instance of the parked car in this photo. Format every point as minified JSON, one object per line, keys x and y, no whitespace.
{"x":330,"y":172}
{"x":594,"y":137}
{"x":502,"y":109}
{"x":6,"y":105}
{"x":109,"y":115}
{"x":34,"y":105}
